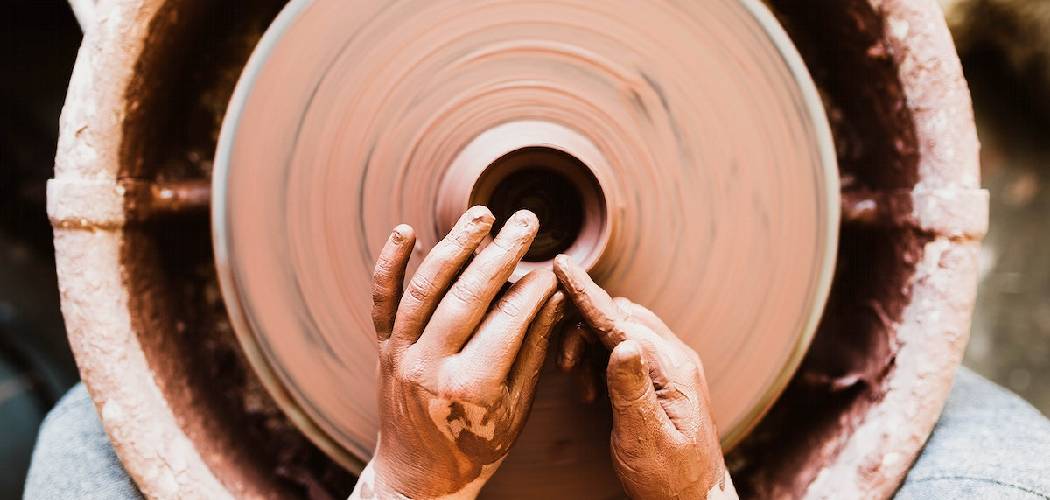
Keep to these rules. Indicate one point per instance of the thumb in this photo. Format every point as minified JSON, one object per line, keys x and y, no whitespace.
{"x":636,"y":411}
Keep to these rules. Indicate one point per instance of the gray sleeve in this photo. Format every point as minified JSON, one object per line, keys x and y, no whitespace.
{"x":73,"y":457}
{"x":988,"y":443}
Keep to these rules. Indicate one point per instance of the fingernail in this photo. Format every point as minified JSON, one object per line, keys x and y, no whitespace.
{"x":478,"y":214}
{"x":568,"y":272}
{"x":524,"y":218}
{"x":627,"y":375}
{"x":630,"y":362}
{"x":522,"y":225}
{"x":400,"y":233}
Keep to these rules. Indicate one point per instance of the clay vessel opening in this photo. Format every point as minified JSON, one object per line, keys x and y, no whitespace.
{"x":558,"y":188}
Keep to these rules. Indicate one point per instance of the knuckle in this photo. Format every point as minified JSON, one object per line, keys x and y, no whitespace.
{"x":456,"y":385}
{"x":456,"y":390}
{"x":461,"y":383}
{"x":409,"y":370}
{"x":459,"y":238}
{"x":507,"y":244}
{"x":479,"y":215}
{"x":420,"y":287}
{"x":510,"y":307}
{"x":456,"y":242}
{"x":445,"y":249}
{"x":382,"y":292}
{"x":383,"y":268}
{"x":381,"y":311}
{"x":466,"y":290}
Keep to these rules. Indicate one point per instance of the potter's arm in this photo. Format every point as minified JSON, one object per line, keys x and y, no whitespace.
{"x":664,"y":443}
{"x":458,"y":360}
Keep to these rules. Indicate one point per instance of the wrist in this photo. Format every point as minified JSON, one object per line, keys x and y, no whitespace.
{"x":723,"y":490}
{"x":369,"y":485}
{"x":385,"y":479}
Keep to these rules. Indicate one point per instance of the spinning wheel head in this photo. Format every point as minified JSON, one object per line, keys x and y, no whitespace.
{"x":680,"y":152}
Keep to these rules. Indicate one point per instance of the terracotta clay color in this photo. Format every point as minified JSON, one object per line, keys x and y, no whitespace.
{"x":458,"y":364}
{"x":715,"y":198}
{"x":664,"y":442}
{"x":152,"y":337}
{"x":883,"y":359}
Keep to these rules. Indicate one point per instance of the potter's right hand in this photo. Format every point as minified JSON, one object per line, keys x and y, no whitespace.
{"x":664,"y":442}
{"x":458,"y":361}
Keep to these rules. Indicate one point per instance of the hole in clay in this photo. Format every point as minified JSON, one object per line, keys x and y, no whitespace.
{"x":554,"y":185}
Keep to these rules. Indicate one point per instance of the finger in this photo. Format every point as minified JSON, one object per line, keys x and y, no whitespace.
{"x":465,"y":304}
{"x":498,"y":340}
{"x":389,"y":277}
{"x":533,"y":352}
{"x":669,"y":374}
{"x":437,"y":271}
{"x":573,"y":344}
{"x":636,"y":409}
{"x":625,"y":305}
{"x":596,"y":306}
{"x":638,"y":313}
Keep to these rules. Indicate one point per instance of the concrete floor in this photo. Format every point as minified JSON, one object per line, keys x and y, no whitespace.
{"x":1010,"y":339}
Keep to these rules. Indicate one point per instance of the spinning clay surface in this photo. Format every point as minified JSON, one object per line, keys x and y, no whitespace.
{"x":689,"y":166}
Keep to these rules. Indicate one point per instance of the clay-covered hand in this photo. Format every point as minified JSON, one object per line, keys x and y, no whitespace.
{"x":458,"y":360}
{"x":664,"y":442}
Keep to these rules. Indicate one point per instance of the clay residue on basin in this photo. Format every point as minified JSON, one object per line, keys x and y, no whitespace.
{"x":900,"y":128}
{"x":175,"y":108}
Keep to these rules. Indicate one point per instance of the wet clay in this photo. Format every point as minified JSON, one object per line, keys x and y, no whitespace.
{"x":151,"y":334}
{"x":456,"y":389}
{"x":878,"y":371}
{"x":664,"y":442}
{"x":458,"y":366}
{"x":718,"y":203}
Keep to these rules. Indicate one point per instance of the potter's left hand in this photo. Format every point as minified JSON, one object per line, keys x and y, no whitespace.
{"x":458,"y":361}
{"x":664,"y":443}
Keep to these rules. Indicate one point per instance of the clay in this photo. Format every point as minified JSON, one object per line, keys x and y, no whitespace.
{"x":458,"y":367}
{"x":739,"y":188}
{"x":664,"y":442}
{"x":879,"y":370}
{"x":146,"y":98}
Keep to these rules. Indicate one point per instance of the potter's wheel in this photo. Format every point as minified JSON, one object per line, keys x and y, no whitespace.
{"x":679,"y":151}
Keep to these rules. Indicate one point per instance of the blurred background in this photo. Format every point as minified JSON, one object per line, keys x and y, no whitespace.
{"x":1005,"y":48}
